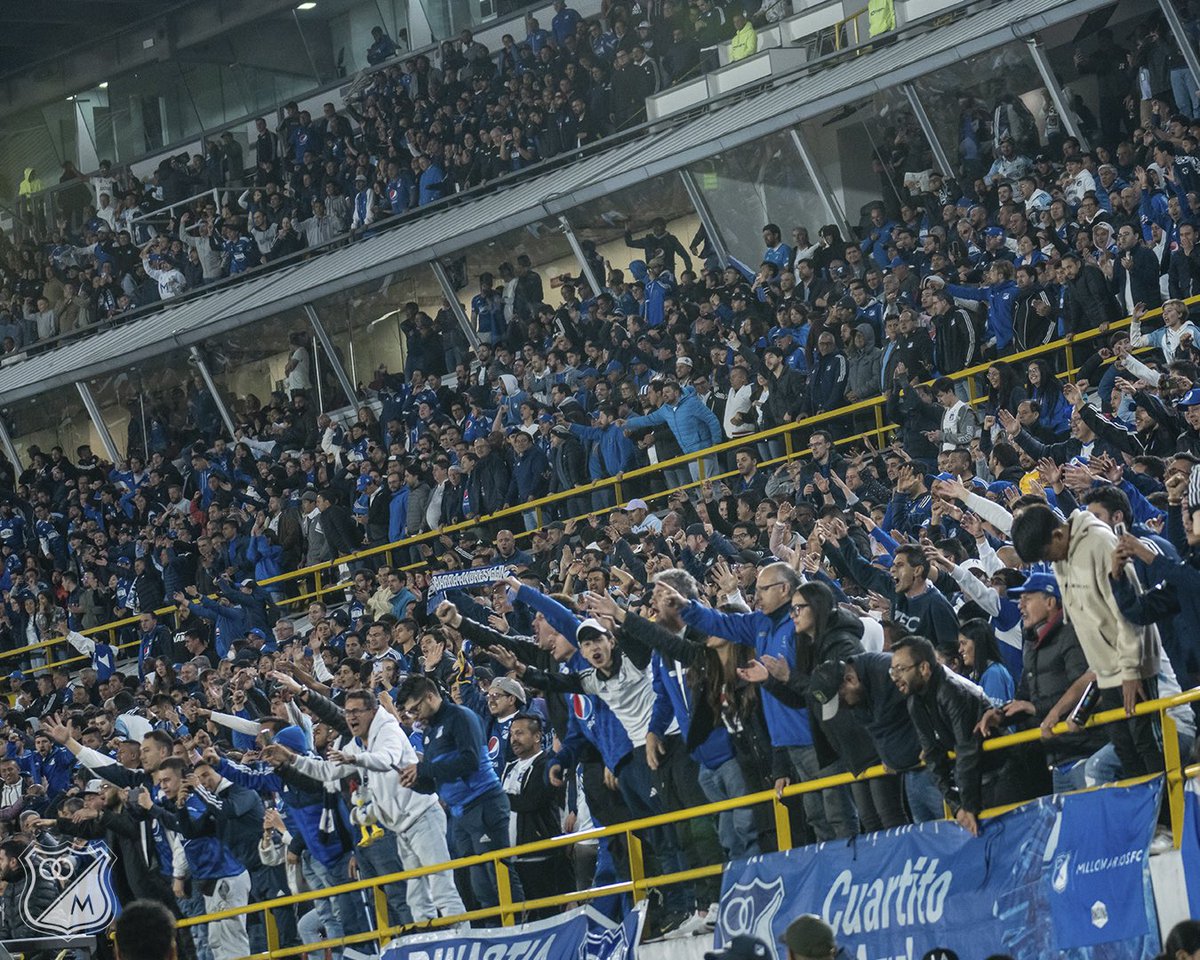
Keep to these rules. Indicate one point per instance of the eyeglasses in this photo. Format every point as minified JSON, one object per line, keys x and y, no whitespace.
{"x":897,"y":671}
{"x":498,"y":696}
{"x":797,"y":607}
{"x":356,"y":710}
{"x":768,"y":586}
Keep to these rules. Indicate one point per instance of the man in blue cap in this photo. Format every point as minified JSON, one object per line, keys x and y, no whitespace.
{"x":1053,"y":661}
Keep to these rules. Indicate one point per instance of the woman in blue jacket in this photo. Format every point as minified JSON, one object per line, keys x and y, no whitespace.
{"x":982,"y":661}
{"x":1042,"y":385}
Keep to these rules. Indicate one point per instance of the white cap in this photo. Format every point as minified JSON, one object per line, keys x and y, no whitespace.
{"x":591,"y":623}
{"x":636,"y":505}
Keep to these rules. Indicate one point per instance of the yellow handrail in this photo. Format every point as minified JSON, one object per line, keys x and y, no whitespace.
{"x":786,"y":432}
{"x":1176,"y":777}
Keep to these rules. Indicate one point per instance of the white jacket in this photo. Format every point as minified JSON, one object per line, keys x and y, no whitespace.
{"x":1113,"y":645}
{"x":387,"y":750}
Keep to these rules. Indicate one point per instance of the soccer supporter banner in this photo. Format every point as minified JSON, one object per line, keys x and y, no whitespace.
{"x":439,"y":583}
{"x":581,"y":934}
{"x":1063,"y":876}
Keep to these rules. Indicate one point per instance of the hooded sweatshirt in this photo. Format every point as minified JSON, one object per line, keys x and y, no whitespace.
{"x":1112,"y":644}
{"x":863,"y":378}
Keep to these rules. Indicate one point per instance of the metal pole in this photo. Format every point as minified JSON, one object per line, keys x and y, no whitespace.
{"x":923,"y":121}
{"x":89,"y":404}
{"x":1181,"y":39}
{"x":817,"y":176}
{"x":10,"y":449}
{"x":439,"y":273}
{"x":202,"y":366}
{"x":577,"y":249}
{"x":706,"y":218}
{"x":1042,"y":62}
{"x":307,"y":51}
{"x":327,"y":345}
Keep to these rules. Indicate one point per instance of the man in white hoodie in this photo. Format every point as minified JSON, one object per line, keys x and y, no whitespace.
{"x":376,"y":751}
{"x":1124,"y":659}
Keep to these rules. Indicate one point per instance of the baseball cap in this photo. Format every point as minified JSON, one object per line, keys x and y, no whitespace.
{"x":824,"y":684}
{"x":635,"y":505}
{"x":510,"y":686}
{"x":741,"y":947}
{"x":246,"y":583}
{"x":589,"y":628}
{"x":1040,"y":581}
{"x":994,"y":232}
{"x":16,"y":675}
{"x":257,"y":632}
{"x":809,"y":936}
{"x":1189,"y":399}
{"x":645,"y":24}
{"x":696,"y":530}
{"x":94,"y":785}
{"x":684,"y":361}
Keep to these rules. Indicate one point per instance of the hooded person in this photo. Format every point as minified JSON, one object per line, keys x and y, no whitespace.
{"x":377,"y":749}
{"x":513,"y":397}
{"x":864,"y":359}
{"x":30,"y":183}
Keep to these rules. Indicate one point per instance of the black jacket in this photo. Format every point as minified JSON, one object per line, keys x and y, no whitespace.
{"x":1051,"y":663}
{"x":1143,"y":278}
{"x":945,"y":715}
{"x":957,"y":343}
{"x":537,"y":806}
{"x":1089,"y":301}
{"x":1030,"y":328}
{"x":140,"y":876}
{"x":341,"y":532}
{"x":883,"y":712}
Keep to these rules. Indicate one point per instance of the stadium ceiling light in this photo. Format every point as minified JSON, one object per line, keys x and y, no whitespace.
{"x":309,"y":5}
{"x":104,"y":85}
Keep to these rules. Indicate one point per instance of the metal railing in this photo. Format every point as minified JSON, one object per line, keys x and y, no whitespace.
{"x":320,"y":580}
{"x":639,"y":884}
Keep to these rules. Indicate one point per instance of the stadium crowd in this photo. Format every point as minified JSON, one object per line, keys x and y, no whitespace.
{"x":998,"y":566}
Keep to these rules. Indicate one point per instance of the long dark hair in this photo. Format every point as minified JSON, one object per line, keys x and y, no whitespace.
{"x":1184,"y":937}
{"x":1049,"y":390}
{"x":1000,"y":398}
{"x":987,"y":648}
{"x":823,"y":604}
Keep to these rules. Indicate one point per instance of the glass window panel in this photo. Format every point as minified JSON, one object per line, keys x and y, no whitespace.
{"x":144,"y":405}
{"x":250,"y":363}
{"x":49,"y":420}
{"x":605,"y":221}
{"x":974,"y":101}
{"x":869,"y":151}
{"x":758,"y":183}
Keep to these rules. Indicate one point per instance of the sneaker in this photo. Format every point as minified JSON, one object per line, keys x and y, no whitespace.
{"x":1163,"y":842}
{"x":710,"y":918}
{"x":692,"y":925}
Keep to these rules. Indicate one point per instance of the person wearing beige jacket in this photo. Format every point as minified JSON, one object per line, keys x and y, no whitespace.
{"x":1124,"y":658}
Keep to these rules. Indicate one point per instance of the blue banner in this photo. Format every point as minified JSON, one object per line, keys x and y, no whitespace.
{"x":1190,"y":848}
{"x":1062,"y":876}
{"x":582,"y":934}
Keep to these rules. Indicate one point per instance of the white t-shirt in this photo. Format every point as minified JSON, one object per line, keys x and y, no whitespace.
{"x":298,"y":378}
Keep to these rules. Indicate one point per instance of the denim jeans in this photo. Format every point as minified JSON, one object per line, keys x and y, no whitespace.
{"x":481,"y":828}
{"x":380,"y":859}
{"x":349,"y":911}
{"x":1185,"y":92}
{"x":830,"y":812}
{"x":1071,"y":775}
{"x":193,"y":906}
{"x":640,"y":793}
{"x":736,"y":828}
{"x":924,"y":799}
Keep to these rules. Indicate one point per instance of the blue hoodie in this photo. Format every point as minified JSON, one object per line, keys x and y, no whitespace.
{"x":303,"y":810}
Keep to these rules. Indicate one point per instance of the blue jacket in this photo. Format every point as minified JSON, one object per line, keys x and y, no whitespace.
{"x":999,"y":298}
{"x":265,"y":558}
{"x":673,"y":700}
{"x":827,"y":383}
{"x":207,"y":856}
{"x":615,"y":451}
{"x":773,"y":634}
{"x":455,"y":758}
{"x":694,"y":425}
{"x":530,"y":478}
{"x":230,"y":622}
{"x":302,"y":810}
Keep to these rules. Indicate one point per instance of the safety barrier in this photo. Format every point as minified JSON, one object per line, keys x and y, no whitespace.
{"x":638,"y":883}
{"x":320,"y":580}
